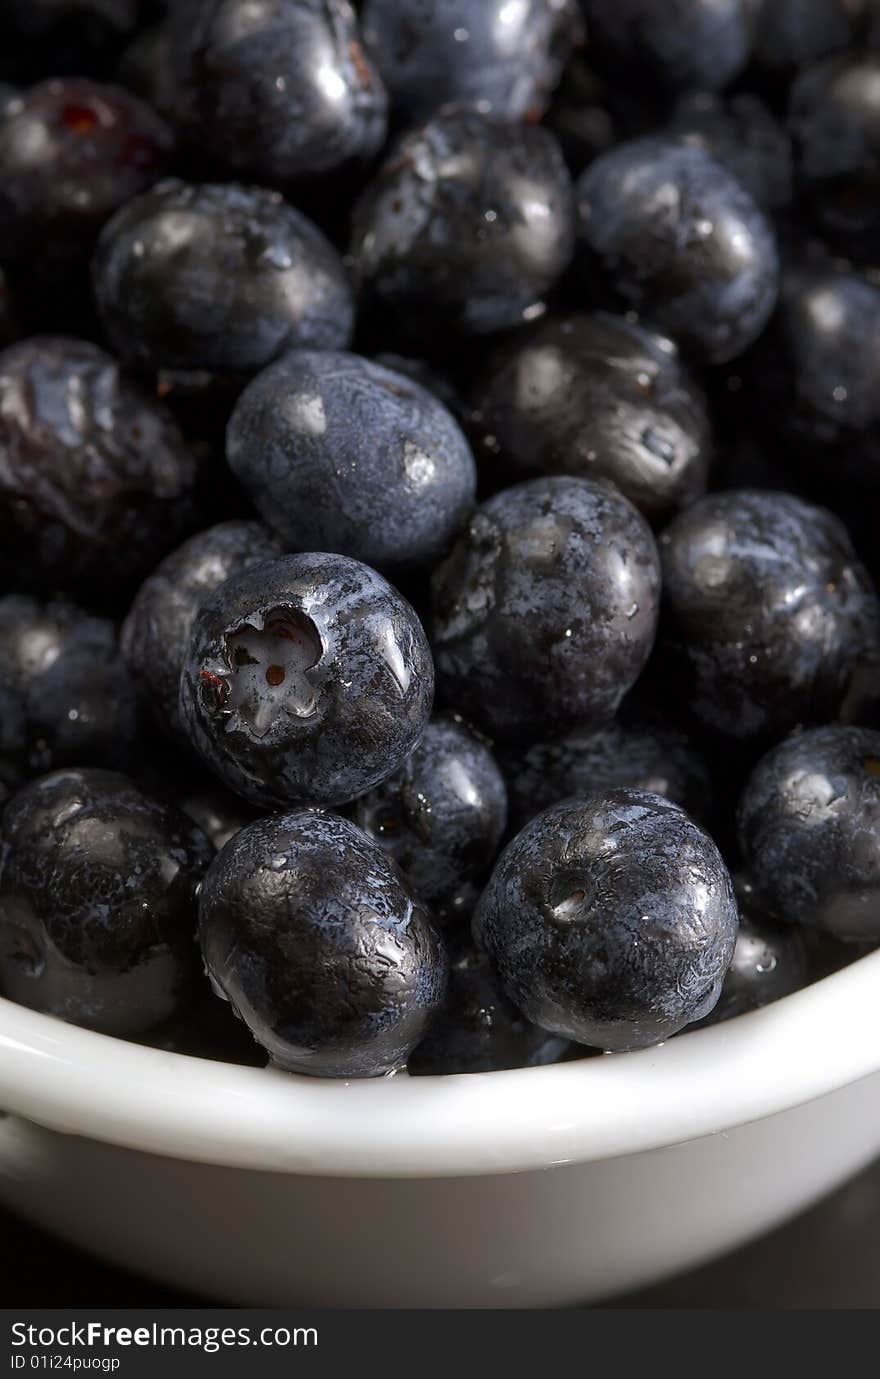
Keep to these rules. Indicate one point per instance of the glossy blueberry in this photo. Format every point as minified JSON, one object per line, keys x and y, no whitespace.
{"x":478,"y":1030}
{"x":156,"y":632}
{"x":279,"y":89}
{"x":836,"y":132}
{"x":668,"y":231}
{"x":816,"y":374}
{"x":95,"y":480}
{"x":772,"y":618}
{"x":307,"y":679}
{"x":675,"y":46}
{"x":218,"y":277}
{"x":507,"y":57}
{"x":611,"y":921}
{"x":808,"y":828}
{"x":98,"y":901}
{"x":769,"y":961}
{"x":789,"y":34}
{"x":600,"y":397}
{"x":743,"y":136}
{"x":341,"y":454}
{"x":72,"y":152}
{"x":66,"y":684}
{"x":321,"y":947}
{"x":545,"y":610}
{"x":641,"y":756}
{"x":467,"y":225}
{"x":441,"y":816}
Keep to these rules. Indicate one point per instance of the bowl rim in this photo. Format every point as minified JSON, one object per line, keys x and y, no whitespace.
{"x":704,"y":1082}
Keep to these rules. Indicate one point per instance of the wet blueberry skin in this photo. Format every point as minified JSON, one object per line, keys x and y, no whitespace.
{"x":308,"y":679}
{"x":478,"y":1030}
{"x":156,"y":631}
{"x":743,"y":136}
{"x":65,"y":683}
{"x":341,"y":454}
{"x":313,"y":935}
{"x":98,"y":901}
{"x":678,"y":45}
{"x":72,"y":151}
{"x":639,"y":756}
{"x":544,"y":613}
{"x":278,"y":90}
{"x":598,"y":396}
{"x":469,"y":51}
{"x":611,"y":921}
{"x":467,"y":225}
{"x":809,"y":833}
{"x":95,"y":479}
{"x":832,"y":116}
{"x":671,"y":234}
{"x":217,"y":277}
{"x":441,"y":816}
{"x":770,"y":961}
{"x":772,"y":621}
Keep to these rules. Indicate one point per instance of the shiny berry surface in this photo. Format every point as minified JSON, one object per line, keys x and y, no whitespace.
{"x":808,"y":831}
{"x":217,"y":277}
{"x":321,"y":948}
{"x":98,"y":901}
{"x":611,"y":921}
{"x":598,"y":396}
{"x":546,"y":609}
{"x":95,"y":479}
{"x":441,"y":816}
{"x":307,"y":679}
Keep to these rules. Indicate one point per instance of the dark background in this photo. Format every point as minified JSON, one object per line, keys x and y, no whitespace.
{"x":830,"y":1257}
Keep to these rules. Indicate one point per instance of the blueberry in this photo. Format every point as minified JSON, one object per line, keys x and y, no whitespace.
{"x":546,"y":609}
{"x":340,"y":453}
{"x":772,"y":618}
{"x":478,"y":1030}
{"x":73,"y":697}
{"x":218,"y":277}
{"x":506,"y":57}
{"x":743,"y":136}
{"x":600,"y":397}
{"x":307,"y":679}
{"x":611,"y":921}
{"x":156,"y":632}
{"x":668,"y":231}
{"x":277,"y":90}
{"x":674,"y":46}
{"x":788,"y":34}
{"x":466,"y":226}
{"x":72,"y":151}
{"x":816,"y":391}
{"x":95,"y":480}
{"x":809,"y":832}
{"x":769,"y":961}
{"x":321,"y":947}
{"x":641,"y":756}
{"x":441,"y":816}
{"x":98,"y":901}
{"x":833,"y":121}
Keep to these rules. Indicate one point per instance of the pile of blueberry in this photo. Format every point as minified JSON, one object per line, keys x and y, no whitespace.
{"x":439,"y":485}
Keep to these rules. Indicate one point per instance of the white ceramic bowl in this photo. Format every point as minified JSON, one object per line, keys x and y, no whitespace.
{"x":528,"y":1188}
